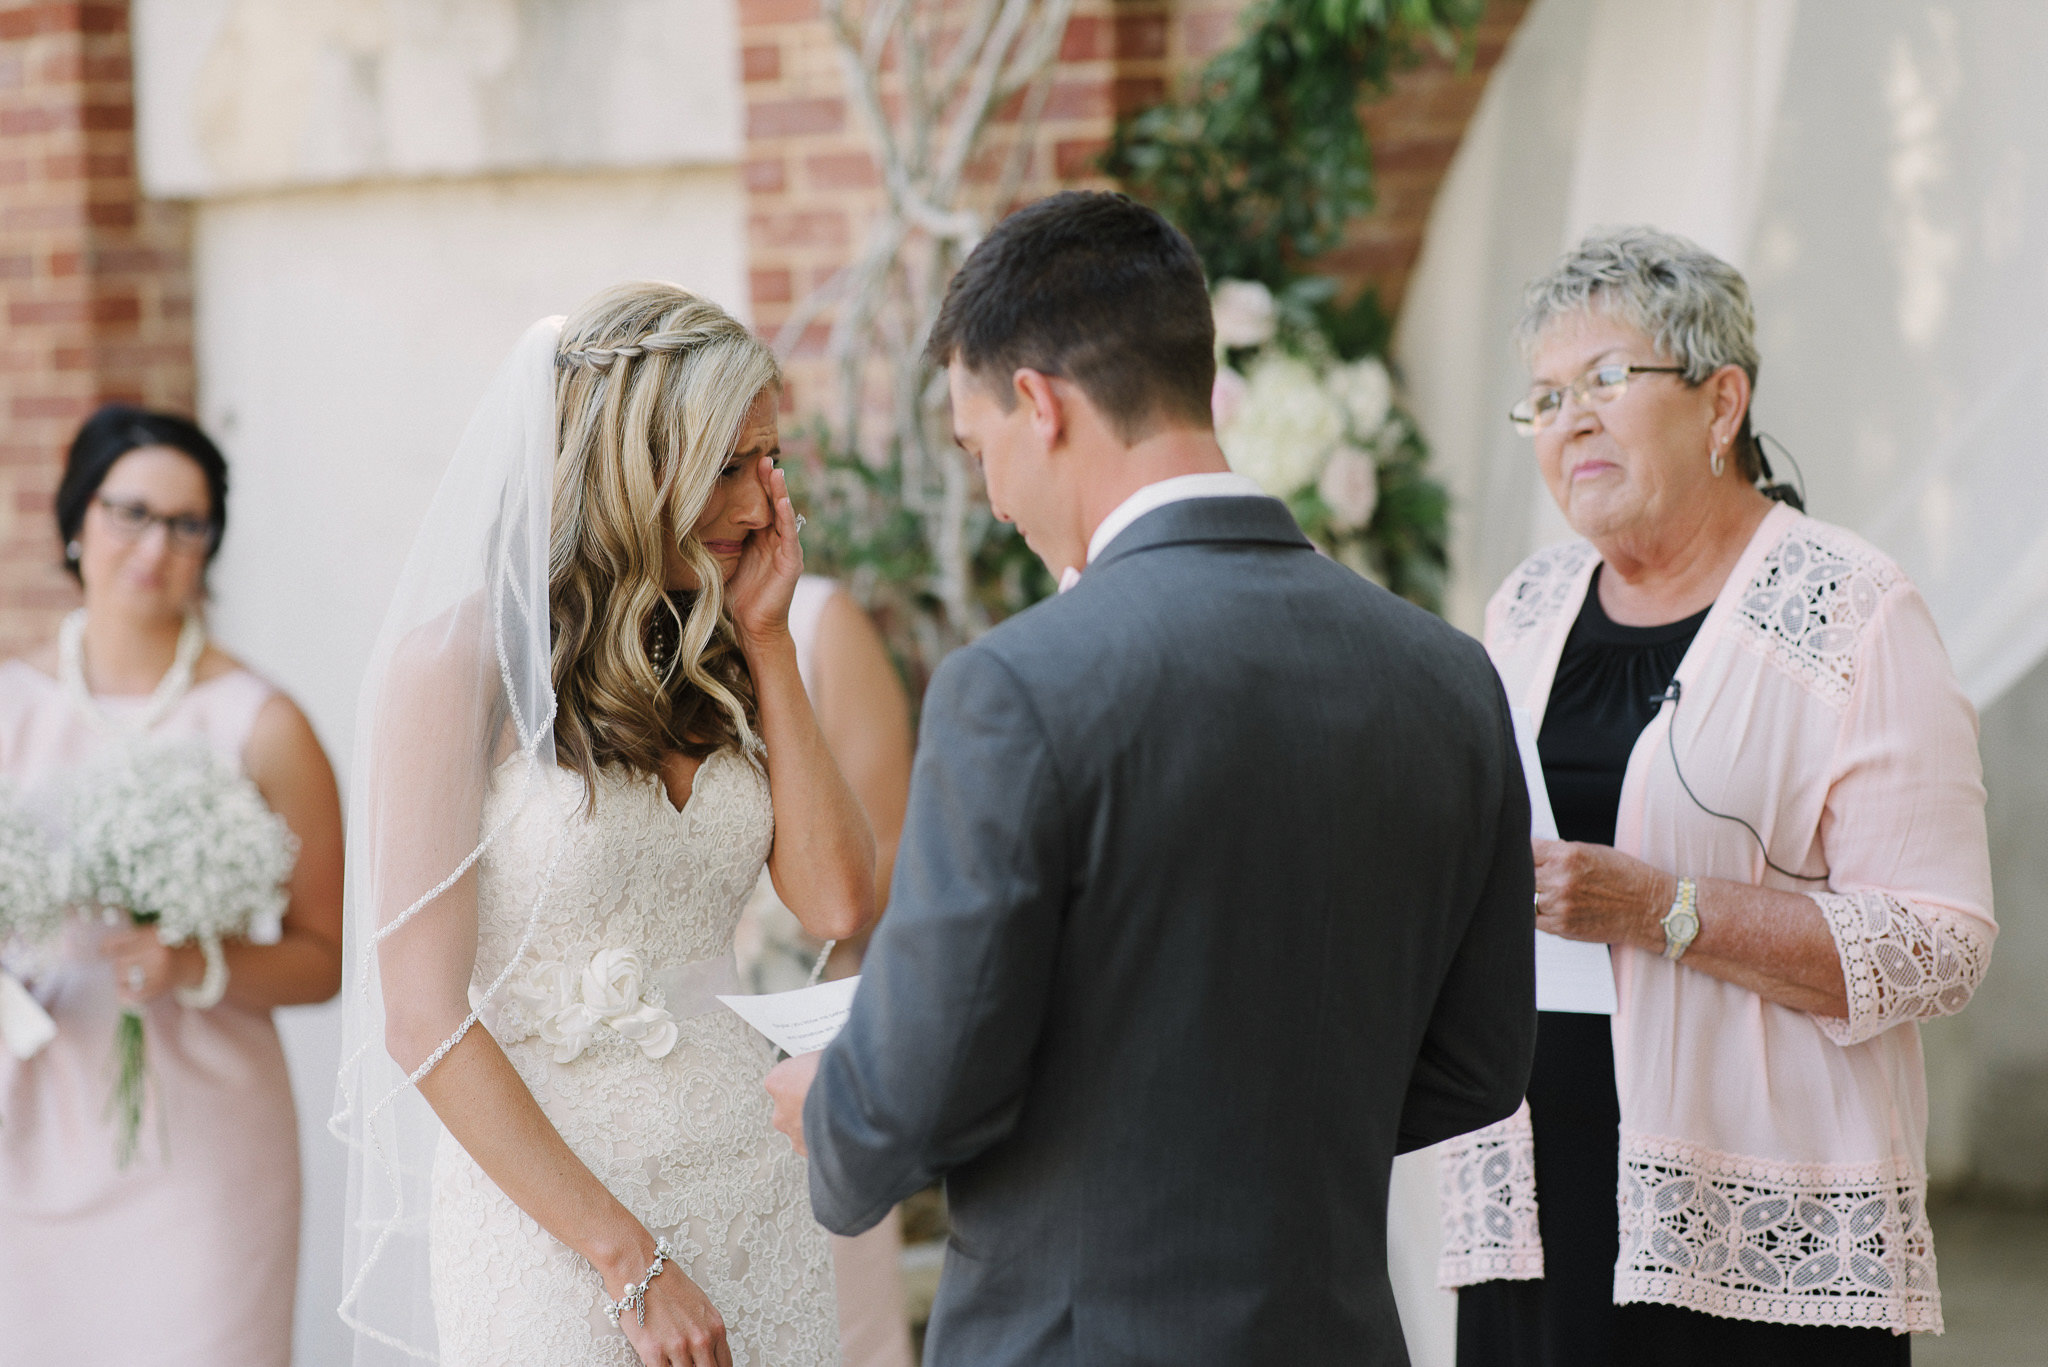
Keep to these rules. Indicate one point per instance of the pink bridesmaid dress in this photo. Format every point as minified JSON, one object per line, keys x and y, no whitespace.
{"x":189,"y":1257}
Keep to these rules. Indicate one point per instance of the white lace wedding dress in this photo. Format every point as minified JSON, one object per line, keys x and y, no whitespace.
{"x":665,"y":1106}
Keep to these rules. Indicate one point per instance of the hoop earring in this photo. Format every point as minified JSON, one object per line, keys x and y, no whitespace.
{"x":1715,"y":461}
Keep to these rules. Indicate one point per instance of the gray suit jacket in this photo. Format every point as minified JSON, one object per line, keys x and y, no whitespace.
{"x":1215,"y":894}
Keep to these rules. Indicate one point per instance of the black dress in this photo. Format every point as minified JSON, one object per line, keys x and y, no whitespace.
{"x":1608,"y":680}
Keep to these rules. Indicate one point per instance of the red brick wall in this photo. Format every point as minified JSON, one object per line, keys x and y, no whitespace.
{"x":1415,"y":130}
{"x":812,"y":187}
{"x":95,"y":281}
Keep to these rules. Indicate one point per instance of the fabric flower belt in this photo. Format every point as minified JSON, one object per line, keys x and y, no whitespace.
{"x":608,"y":994}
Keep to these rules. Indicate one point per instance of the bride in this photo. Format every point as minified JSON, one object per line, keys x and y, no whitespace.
{"x":582,"y":734}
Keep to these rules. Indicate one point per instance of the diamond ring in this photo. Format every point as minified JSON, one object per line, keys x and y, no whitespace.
{"x":800,"y":520}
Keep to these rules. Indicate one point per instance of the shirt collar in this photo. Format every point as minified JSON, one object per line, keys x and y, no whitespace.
{"x":1219,"y":484}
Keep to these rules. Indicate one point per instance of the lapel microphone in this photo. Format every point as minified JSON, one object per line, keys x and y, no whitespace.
{"x":1671,"y":694}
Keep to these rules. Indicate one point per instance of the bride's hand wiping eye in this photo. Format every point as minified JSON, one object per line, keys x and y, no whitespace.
{"x":761,"y":588}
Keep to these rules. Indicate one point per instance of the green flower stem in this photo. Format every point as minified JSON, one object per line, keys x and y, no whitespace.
{"x":131,"y":1080}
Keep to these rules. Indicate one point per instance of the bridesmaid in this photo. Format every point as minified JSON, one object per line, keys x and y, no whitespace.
{"x":864,"y":714}
{"x":189,"y":1255}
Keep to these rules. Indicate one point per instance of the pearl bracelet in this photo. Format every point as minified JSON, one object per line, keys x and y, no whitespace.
{"x":211,"y":987}
{"x":635,"y":1298}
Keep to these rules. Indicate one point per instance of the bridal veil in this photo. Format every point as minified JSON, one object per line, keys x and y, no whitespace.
{"x":458,"y":687}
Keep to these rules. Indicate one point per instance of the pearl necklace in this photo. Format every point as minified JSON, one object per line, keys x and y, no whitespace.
{"x":175,"y":684}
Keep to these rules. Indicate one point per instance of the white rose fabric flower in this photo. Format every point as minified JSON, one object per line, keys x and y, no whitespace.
{"x":545,"y":988}
{"x":610,"y":990}
{"x":1287,"y":428}
{"x":1350,"y":486}
{"x":650,"y":1027}
{"x":611,"y":982}
{"x":1244,"y":312}
{"x":570,"y":1030}
{"x":1366,"y":393}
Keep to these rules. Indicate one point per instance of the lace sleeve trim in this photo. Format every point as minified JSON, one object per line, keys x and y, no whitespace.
{"x":1809,"y":603}
{"x":1537,"y":591}
{"x":1487,"y":1180}
{"x":1900,"y":962}
{"x":1784,"y":1243}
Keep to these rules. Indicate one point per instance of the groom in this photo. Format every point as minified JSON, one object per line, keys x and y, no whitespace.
{"x":1215,"y":892}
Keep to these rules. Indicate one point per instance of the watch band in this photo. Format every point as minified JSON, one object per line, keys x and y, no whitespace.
{"x":1682,"y":922}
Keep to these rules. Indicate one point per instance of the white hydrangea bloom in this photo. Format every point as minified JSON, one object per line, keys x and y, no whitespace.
{"x":1245,"y":313}
{"x":1286,"y":427}
{"x":1350,"y":487}
{"x":1366,"y":393}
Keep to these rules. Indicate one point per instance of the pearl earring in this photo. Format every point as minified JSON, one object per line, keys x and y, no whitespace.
{"x":72,"y":550}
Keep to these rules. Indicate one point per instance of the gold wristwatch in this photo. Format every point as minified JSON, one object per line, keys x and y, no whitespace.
{"x":1682,"y":922}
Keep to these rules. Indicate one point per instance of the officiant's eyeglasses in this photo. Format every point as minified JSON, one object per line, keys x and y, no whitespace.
{"x":1600,"y":385}
{"x":132,"y":521}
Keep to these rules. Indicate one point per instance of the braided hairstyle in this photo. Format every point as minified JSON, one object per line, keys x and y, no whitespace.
{"x":652,"y":386}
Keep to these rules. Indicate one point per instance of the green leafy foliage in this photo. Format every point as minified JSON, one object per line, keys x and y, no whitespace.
{"x":1263,"y":162}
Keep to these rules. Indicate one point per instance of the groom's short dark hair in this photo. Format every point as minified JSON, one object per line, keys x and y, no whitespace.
{"x":1094,"y":288}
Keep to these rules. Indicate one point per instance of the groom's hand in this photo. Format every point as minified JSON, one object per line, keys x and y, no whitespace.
{"x":789,"y":1082}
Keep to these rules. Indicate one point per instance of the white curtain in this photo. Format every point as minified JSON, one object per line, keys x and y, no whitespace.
{"x":1879,"y":171}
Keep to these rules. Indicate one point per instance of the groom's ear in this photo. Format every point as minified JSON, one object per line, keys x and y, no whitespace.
{"x":1045,"y":403}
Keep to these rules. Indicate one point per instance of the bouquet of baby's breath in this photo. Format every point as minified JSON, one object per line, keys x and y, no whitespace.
{"x":31,"y":909}
{"x":31,"y":913}
{"x":171,"y":835}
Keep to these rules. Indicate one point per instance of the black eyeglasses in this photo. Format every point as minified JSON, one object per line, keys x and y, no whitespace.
{"x":1603,"y":384}
{"x":132,"y":521}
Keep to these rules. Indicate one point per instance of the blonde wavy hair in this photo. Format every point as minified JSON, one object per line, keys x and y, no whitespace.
{"x":652,"y":386}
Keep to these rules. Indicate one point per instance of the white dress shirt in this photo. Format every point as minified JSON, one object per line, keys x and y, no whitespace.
{"x":1222,"y":484}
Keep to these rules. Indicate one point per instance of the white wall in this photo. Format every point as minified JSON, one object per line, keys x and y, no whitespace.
{"x":243,"y":95}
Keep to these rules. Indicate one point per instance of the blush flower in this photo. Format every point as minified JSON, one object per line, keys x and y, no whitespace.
{"x":1350,"y":486}
{"x":1244,"y":312}
{"x":1226,"y":397}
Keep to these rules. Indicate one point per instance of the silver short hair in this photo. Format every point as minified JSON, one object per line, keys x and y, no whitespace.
{"x":1693,"y":306}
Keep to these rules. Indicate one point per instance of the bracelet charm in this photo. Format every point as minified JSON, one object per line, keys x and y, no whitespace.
{"x":635,"y":1296}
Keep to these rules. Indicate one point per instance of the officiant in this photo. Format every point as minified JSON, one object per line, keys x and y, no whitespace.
{"x":1766,"y":782}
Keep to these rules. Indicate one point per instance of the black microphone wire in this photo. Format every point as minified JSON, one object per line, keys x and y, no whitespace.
{"x":1671,"y":695}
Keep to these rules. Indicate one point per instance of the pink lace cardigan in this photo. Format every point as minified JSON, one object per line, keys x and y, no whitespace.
{"x":1772,"y":1162}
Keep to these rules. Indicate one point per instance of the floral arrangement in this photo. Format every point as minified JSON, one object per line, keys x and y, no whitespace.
{"x":1262,"y":160}
{"x":1321,"y":432}
{"x":31,"y":913}
{"x":172,"y":836}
